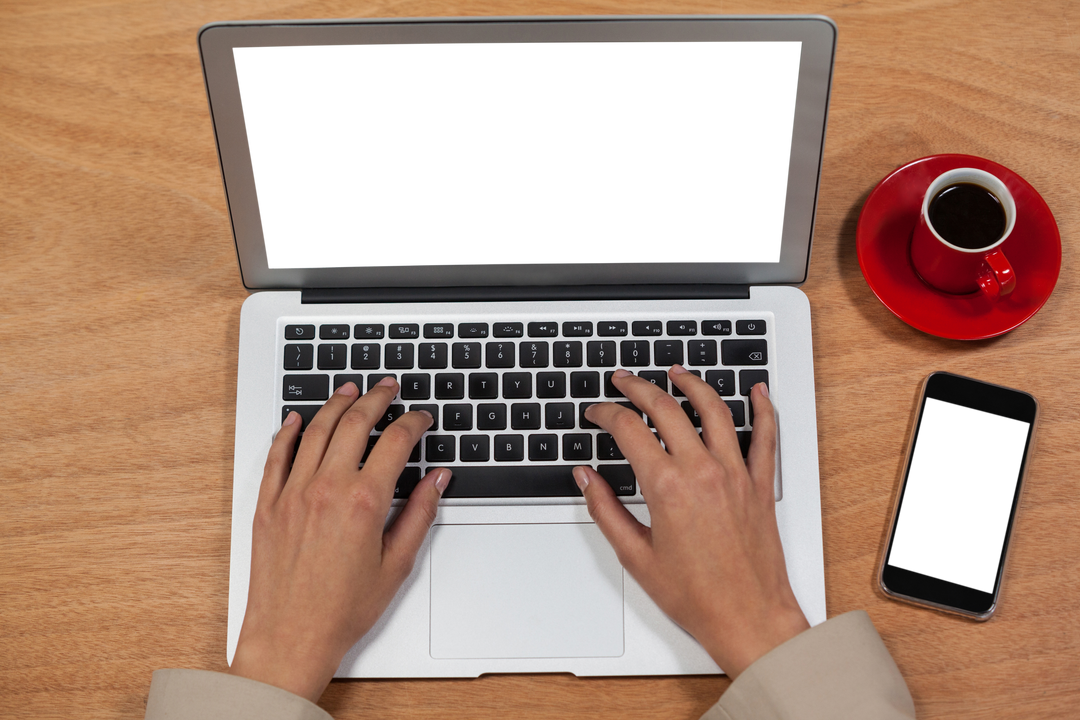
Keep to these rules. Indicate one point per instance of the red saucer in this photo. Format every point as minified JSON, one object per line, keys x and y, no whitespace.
{"x":883,"y":237}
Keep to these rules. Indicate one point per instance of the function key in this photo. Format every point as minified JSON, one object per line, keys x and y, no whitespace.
{"x":472,"y":330}
{"x":299,"y":332}
{"x":750,"y":327}
{"x":716,"y":327}
{"x":682,"y":327}
{"x":508,"y":329}
{"x":648,"y":327}
{"x":611,"y":328}
{"x":368,"y":332}
{"x":543,"y":329}
{"x":333,"y":332}
{"x":438,"y":330}
{"x":405,"y":330}
{"x":577,"y":329}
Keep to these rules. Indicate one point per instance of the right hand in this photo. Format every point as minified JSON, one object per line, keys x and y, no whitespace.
{"x":712,"y":559}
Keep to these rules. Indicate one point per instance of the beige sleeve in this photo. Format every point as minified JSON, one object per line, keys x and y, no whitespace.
{"x":205,"y":695}
{"x":839,"y":669}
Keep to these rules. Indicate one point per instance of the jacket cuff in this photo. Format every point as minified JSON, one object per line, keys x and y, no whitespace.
{"x":205,"y":695}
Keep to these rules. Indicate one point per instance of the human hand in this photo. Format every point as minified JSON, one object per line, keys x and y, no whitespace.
{"x":712,"y":559}
{"x":322,"y":568}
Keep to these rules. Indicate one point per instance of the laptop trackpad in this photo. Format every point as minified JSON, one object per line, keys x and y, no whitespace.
{"x":524,"y":591}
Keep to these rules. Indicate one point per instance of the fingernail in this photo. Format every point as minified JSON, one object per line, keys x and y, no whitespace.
{"x":348,"y":388}
{"x":442,"y":481}
{"x":764,"y":389}
{"x":291,"y":419}
{"x":387,"y":382}
{"x":620,"y":373}
{"x":581,"y":478}
{"x":678,"y":370}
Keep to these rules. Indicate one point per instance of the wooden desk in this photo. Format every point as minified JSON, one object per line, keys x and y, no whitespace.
{"x":120,"y":302}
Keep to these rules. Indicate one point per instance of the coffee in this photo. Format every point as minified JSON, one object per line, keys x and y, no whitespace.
{"x":967,"y":215}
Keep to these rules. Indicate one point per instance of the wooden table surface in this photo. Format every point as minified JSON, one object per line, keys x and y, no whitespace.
{"x":120,"y":303}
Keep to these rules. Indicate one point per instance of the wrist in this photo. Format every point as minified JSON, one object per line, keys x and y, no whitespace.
{"x":285,"y":669}
{"x":736,"y":647}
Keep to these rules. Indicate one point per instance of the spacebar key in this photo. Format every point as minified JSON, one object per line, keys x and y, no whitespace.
{"x":507,"y":481}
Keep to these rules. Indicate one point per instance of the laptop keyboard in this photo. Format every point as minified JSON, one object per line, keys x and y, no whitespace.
{"x":508,"y":398}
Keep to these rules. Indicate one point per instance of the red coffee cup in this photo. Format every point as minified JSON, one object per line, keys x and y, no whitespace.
{"x":958,"y":270}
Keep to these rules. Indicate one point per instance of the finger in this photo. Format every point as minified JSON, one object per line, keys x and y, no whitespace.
{"x":632,"y":435}
{"x":717,"y":427}
{"x":279,"y":461}
{"x":404,"y":538}
{"x":761,"y":458}
{"x":349,"y":440}
{"x":391,"y":452}
{"x":629,"y":538}
{"x":666,"y":414}
{"x":320,"y":430}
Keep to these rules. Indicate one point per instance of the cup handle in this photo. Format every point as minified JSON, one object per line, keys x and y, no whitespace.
{"x":998,"y":278}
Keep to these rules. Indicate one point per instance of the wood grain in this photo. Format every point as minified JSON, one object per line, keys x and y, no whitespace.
{"x":119,"y":308}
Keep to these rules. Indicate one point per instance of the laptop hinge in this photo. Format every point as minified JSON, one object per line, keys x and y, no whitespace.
{"x":511,"y":293}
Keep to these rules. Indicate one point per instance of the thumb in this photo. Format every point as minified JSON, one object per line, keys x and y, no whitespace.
{"x":403,"y":539}
{"x":629,"y":538}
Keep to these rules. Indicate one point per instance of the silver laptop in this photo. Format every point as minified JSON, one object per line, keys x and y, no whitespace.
{"x":500,"y":213}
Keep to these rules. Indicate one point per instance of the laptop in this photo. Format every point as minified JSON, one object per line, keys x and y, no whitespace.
{"x":500,"y":213}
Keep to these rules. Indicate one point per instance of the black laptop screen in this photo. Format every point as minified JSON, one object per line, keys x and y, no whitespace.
{"x":518,"y":153}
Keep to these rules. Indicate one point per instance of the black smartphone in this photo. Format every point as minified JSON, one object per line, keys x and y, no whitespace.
{"x":957,"y":502}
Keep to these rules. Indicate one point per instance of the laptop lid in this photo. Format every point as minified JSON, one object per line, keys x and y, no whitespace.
{"x":567,"y":153}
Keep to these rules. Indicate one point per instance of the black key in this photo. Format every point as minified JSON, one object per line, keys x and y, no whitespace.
{"x":405,"y":330}
{"x":534,"y":354}
{"x":716,"y":327}
{"x":508,"y":448}
{"x":648,"y":327}
{"x":299,"y":332}
{"x":483,"y":386}
{"x":449,"y":386}
{"x":525,"y":416}
{"x":374,"y":378}
{"x":577,"y":329}
{"x":744,"y":437}
{"x":566,"y":353}
{"x":475,"y":448}
{"x":611,"y":328}
{"x":341,"y":379}
{"x":407,"y":482}
{"x":675,"y":388}
{"x":681,"y":327}
{"x":517,"y":385}
{"x":508,"y":329}
{"x":701,"y":352}
{"x":431,"y":356}
{"x":543,"y":329}
{"x":749,"y":378}
{"x":299,"y":357}
{"x":744,"y":352}
{"x":738,"y":414}
{"x":490,"y":416}
{"x":559,"y":416}
{"x":457,"y":417}
{"x":399,"y":356}
{"x":584,"y":384}
{"x":484,"y":481}
{"x":583,"y":422}
{"x":609,"y":387}
{"x":333,"y":357}
{"x":438,"y":330}
{"x":551,"y":385}
{"x":392,"y":413}
{"x":416,"y":386}
{"x":635,"y":353}
{"x":333,"y":332}
{"x":372,"y":439}
{"x":656,"y":377}
{"x":601,"y":353}
{"x":307,"y":412}
{"x":365,"y":356}
{"x":305,"y":387}
{"x":722,"y":381}
{"x":577,"y":446}
{"x":472,"y":330}
{"x":668,"y":352}
{"x":500,"y":354}
{"x":750,"y":327}
{"x":466,"y":355}
{"x":368,"y":332}
{"x":440,"y":449}
{"x":433,"y":411}
{"x":606,"y":448}
{"x":691,"y":412}
{"x":620,"y":477}
{"x":543,"y":448}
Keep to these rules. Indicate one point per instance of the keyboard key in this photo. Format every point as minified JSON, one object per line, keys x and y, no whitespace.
{"x":368,"y":332}
{"x":333,"y":357}
{"x":648,"y":327}
{"x":365,"y":356}
{"x":577,"y":329}
{"x":405,"y":330}
{"x":577,"y":446}
{"x":341,"y":379}
{"x":431,"y":356}
{"x":543,"y":448}
{"x":407,"y":482}
{"x":566,"y":354}
{"x":584,"y":384}
{"x":307,"y":412}
{"x":583,"y":422}
{"x":551,"y":385}
{"x":675,"y":388}
{"x":457,"y":417}
{"x":744,"y":437}
{"x":722,"y":381}
{"x":525,"y":416}
{"x":483,"y":386}
{"x":517,"y":385}
{"x":601,"y":353}
{"x":611,"y":328}
{"x":491,"y":416}
{"x":438,"y":330}
{"x":692,"y":413}
{"x":440,"y":448}
{"x":749,"y":378}
{"x":656,"y":377}
{"x":668,"y":352}
{"x":534,"y":354}
{"x":543,"y":329}
{"x":609,"y":387}
{"x":399,"y":356}
{"x":416,"y":386}
{"x":299,"y":332}
{"x":433,"y":411}
{"x":744,"y":352}
{"x":606,"y":448}
{"x":500,"y":355}
{"x":472,"y":330}
{"x":559,"y":416}
{"x":333,"y":332}
{"x":508,"y":329}
{"x":738,"y":414}
{"x":716,"y":327}
{"x":299,"y":357}
{"x":750,"y":327}
{"x":449,"y":386}
{"x":635,"y":353}
{"x":508,"y":448}
{"x":466,"y":355}
{"x":393,"y":412}
{"x":621,"y":478}
{"x":475,"y":448}
{"x":305,"y":387}
{"x":682,"y":327}
{"x":374,"y":378}
{"x":701,"y":352}
{"x":492,"y":481}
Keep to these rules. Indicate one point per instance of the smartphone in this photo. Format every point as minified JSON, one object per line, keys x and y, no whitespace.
{"x":957,"y":502}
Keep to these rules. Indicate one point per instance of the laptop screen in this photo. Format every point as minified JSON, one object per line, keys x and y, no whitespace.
{"x":518,"y":153}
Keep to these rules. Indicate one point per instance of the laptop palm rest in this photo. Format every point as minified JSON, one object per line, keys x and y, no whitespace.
{"x":524,"y":591}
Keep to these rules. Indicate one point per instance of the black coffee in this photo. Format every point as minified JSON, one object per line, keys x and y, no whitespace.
{"x":967,"y":215}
